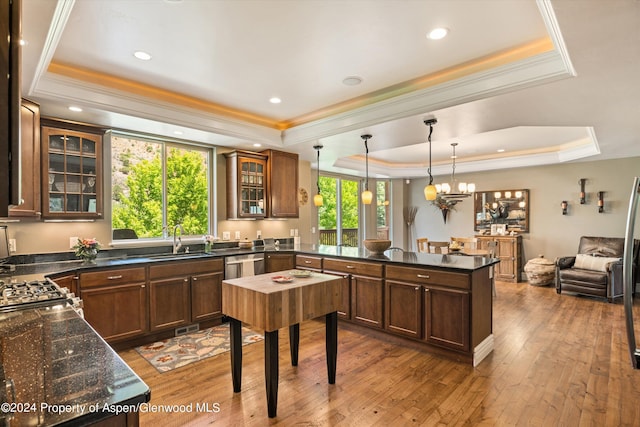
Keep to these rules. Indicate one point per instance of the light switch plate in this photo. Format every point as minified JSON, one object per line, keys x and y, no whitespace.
{"x":72,"y":242}
{"x":12,"y":246}
{"x":226,"y":235}
{"x":237,"y":235}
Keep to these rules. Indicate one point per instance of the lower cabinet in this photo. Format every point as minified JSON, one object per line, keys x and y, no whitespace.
{"x":509,"y":251}
{"x":446,"y":318}
{"x":403,"y":308}
{"x":362,"y":290}
{"x":190,"y":297}
{"x":115,"y":302}
{"x":279,"y":262}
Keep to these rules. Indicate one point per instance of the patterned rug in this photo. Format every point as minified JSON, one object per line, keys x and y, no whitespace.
{"x":180,"y":351}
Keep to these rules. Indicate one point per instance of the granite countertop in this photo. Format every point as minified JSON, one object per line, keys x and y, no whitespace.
{"x":63,"y":372}
{"x":37,"y":271}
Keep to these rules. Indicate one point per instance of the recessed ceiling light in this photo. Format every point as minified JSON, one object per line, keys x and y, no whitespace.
{"x":275,"y":100}
{"x":437,"y":33}
{"x":500,"y":150}
{"x":144,"y":56}
{"x":257,"y":144}
{"x":352,"y":80}
{"x":75,"y":109}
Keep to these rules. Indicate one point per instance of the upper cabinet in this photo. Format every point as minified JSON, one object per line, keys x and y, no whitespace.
{"x":261,"y":185}
{"x":246,"y":185}
{"x":71,"y":173}
{"x":30,"y":161}
{"x":282,"y":184}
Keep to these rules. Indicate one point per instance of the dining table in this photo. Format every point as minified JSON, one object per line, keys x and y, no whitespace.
{"x":277,"y":300}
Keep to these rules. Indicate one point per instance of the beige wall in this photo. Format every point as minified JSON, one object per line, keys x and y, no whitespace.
{"x":551,"y":233}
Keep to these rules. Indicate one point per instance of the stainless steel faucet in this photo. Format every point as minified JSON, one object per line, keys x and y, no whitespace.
{"x":177,"y":243}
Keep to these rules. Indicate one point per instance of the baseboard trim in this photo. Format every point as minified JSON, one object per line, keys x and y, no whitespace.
{"x":482,"y":350}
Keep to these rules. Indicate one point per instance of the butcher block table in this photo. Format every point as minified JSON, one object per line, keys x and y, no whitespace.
{"x":268,"y":305}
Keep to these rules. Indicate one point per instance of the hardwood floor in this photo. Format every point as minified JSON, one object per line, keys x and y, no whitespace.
{"x":558,"y":360}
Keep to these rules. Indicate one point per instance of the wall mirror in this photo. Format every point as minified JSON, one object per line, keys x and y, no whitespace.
{"x":504,"y":207}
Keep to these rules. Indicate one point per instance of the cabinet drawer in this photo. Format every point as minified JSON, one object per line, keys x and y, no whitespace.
{"x":94,"y":279}
{"x":428,"y":277}
{"x":184,"y":268}
{"x":354,"y":267}
{"x":308,"y":261}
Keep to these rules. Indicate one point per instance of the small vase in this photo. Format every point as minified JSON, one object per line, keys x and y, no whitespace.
{"x":89,"y":256}
{"x":207,"y":247}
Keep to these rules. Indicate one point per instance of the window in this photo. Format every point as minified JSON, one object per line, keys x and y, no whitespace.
{"x":338,"y":217}
{"x":382,"y":208}
{"x":158,"y":184}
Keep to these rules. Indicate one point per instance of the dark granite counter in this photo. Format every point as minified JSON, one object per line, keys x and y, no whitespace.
{"x":63,"y":372}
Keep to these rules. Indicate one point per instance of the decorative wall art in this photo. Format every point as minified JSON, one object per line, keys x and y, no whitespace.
{"x":505,"y":207}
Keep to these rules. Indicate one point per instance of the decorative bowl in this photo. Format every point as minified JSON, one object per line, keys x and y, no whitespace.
{"x":376,"y":246}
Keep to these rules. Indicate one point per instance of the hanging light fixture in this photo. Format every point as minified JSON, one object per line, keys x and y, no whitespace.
{"x":430,"y":191}
{"x":367,"y":196}
{"x":456,"y":190}
{"x":317,"y":199}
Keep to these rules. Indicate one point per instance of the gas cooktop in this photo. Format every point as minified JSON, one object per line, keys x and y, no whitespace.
{"x":22,"y":295}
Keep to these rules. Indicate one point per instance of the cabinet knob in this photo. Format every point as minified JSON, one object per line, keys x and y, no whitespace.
{"x":186,"y":280}
{"x":417,"y":288}
{"x":142,"y":286}
{"x":426,"y":290}
{"x":195,"y":279}
{"x":423,"y":276}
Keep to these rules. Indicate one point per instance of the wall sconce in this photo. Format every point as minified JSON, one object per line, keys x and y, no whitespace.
{"x":582,"y":193}
{"x":564,"y":206}
{"x":600,"y":201}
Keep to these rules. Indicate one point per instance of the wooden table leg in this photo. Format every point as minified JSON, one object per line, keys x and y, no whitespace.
{"x":235,"y":332}
{"x":332,"y":345}
{"x":294,"y":343}
{"x":271,"y":370}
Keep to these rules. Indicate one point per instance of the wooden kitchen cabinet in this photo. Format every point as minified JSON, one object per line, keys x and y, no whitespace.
{"x":278,"y":262}
{"x":509,"y":251}
{"x":71,"y":173}
{"x":403,"y":308}
{"x":115,"y":302}
{"x":308,"y":262}
{"x":446,"y":318}
{"x":191,"y":296}
{"x":282,"y":184}
{"x":362,"y":293}
{"x":246,"y":184}
{"x":29,"y":161}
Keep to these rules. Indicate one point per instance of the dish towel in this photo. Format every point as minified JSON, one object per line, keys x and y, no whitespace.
{"x":247,"y":268}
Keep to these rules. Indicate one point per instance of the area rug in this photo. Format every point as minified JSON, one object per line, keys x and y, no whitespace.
{"x":176,"y":352}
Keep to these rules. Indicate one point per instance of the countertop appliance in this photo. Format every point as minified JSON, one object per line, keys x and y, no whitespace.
{"x":20,"y":295}
{"x":240,"y":265}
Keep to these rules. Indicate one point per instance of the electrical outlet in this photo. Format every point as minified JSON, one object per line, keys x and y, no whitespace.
{"x":291,"y":232}
{"x":12,"y":246}
{"x":237,"y":234}
{"x":226,"y":235}
{"x":72,"y":242}
{"x":258,"y":234}
{"x":313,"y":230}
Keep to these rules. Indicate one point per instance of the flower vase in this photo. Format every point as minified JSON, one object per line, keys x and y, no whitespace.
{"x":207,"y":247}
{"x":89,"y":256}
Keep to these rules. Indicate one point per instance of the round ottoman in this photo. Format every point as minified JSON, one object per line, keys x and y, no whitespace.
{"x":540,"y":271}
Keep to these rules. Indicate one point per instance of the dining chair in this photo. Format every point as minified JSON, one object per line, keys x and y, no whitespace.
{"x":439,"y":247}
{"x":466,"y":242}
{"x":423,"y":244}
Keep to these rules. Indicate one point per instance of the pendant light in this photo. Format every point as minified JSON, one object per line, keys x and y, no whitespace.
{"x":317,"y":199}
{"x":456,"y":190}
{"x":367,"y":196}
{"x":430,"y":191}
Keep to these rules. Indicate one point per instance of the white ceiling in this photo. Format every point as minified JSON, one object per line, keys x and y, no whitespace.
{"x":546,"y":81}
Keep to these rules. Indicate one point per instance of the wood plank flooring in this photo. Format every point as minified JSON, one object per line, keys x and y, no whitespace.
{"x":558,"y":360}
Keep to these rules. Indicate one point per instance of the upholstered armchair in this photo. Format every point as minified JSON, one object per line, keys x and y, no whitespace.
{"x":596,"y":269}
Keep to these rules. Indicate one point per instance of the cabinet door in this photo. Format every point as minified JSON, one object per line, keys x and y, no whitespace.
{"x":282,"y":184}
{"x":72,"y":174}
{"x":279,"y":262}
{"x":367,"y":298}
{"x":403,"y":308}
{"x":206,"y":296}
{"x":344,"y":311}
{"x":169,"y":303}
{"x":446,"y":318}
{"x":30,"y":161}
{"x":117,"y":312}
{"x":506,"y":252}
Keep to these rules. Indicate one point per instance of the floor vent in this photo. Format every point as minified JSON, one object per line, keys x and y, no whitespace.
{"x":187,"y":329}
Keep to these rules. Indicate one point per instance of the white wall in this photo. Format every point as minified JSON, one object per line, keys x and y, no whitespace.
{"x":551,"y":233}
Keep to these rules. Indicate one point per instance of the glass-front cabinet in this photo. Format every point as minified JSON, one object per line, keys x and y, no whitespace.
{"x":246,"y":184}
{"x":71,"y":174}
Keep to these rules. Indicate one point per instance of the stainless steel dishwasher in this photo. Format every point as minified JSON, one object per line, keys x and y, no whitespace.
{"x":233,"y":265}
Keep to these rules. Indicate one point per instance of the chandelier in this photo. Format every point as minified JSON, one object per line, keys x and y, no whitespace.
{"x":456,"y":190}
